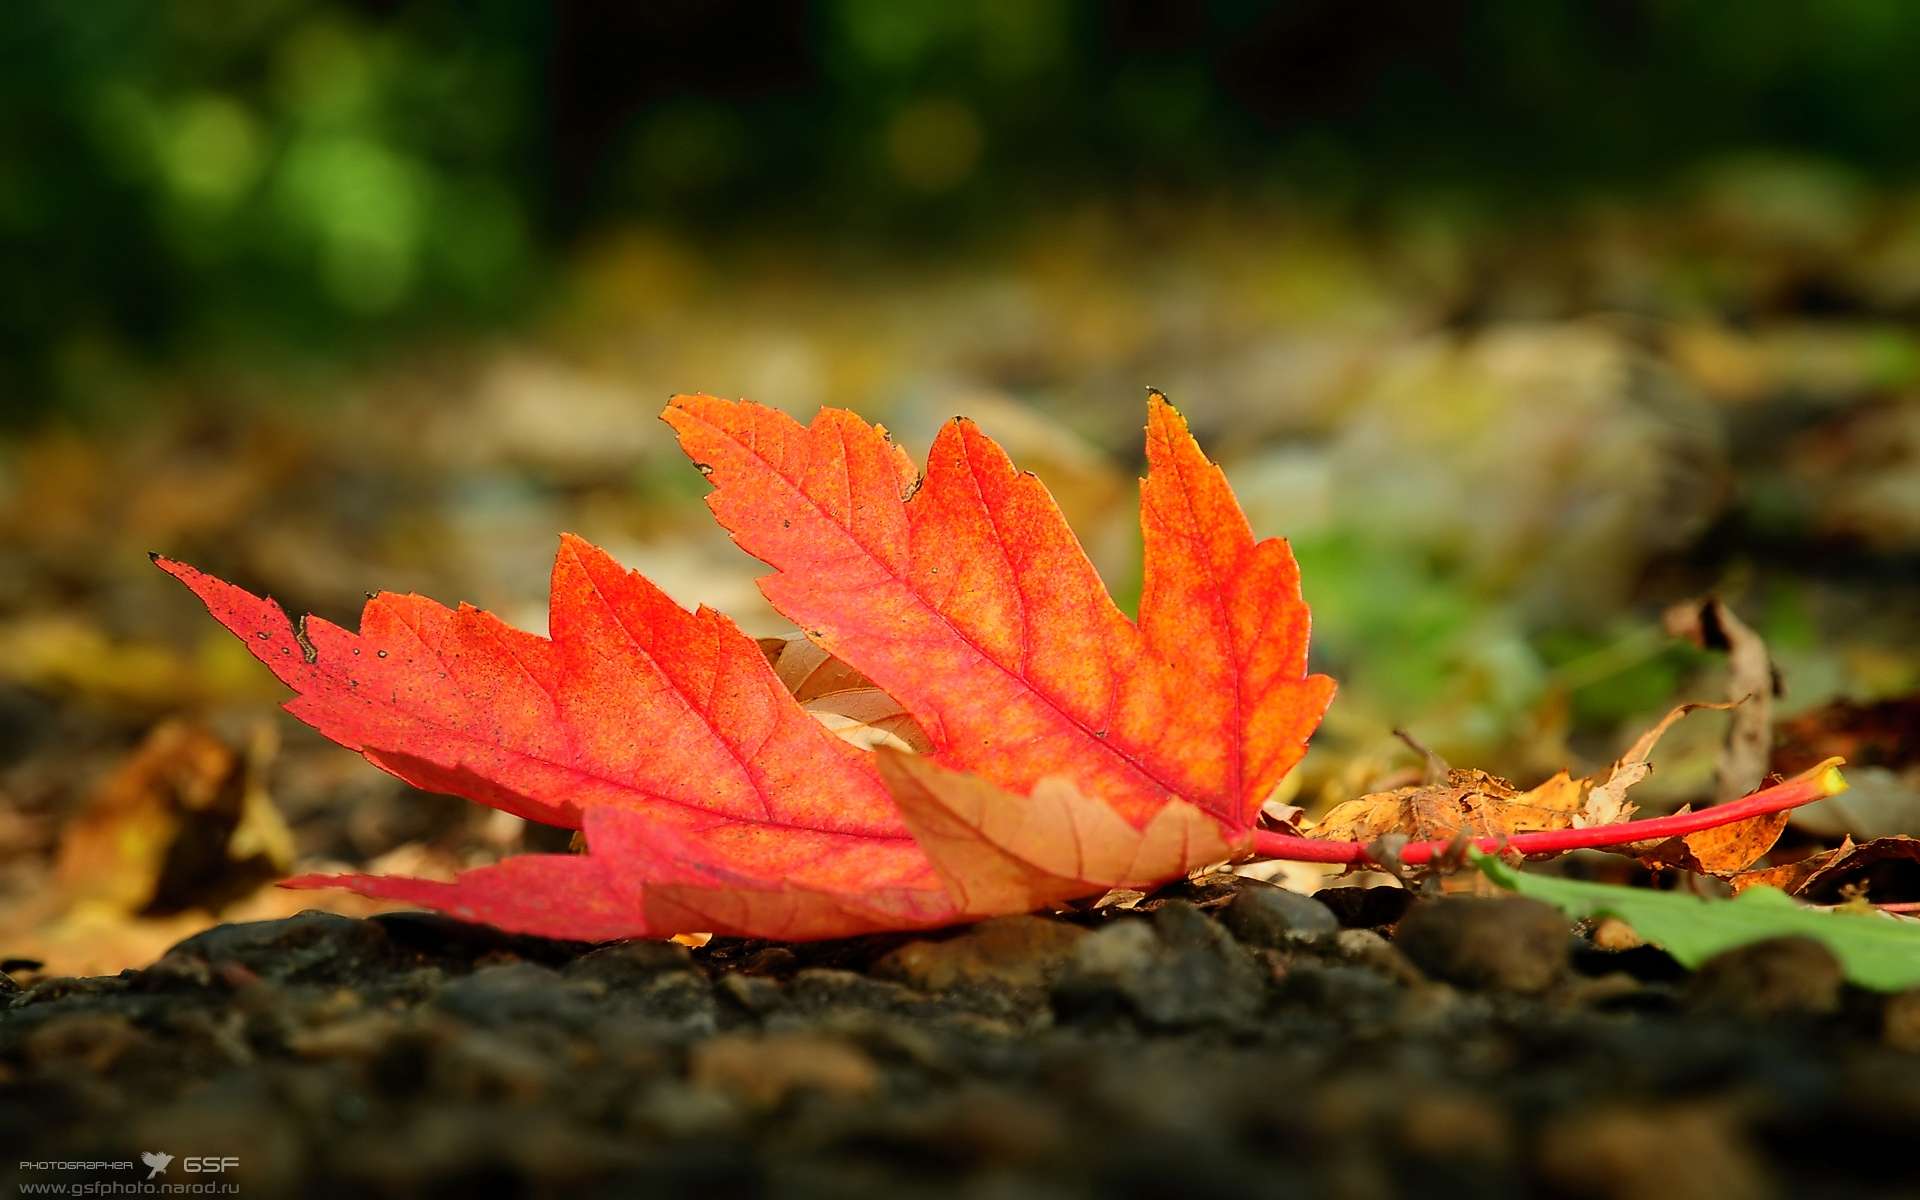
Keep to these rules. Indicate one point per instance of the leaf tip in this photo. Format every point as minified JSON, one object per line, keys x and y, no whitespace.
{"x":1828,"y":779}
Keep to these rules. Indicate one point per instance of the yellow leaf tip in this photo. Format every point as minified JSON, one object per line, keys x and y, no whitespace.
{"x":1827,"y":775}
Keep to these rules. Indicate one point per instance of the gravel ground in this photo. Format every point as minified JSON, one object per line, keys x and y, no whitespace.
{"x":1224,"y":1037}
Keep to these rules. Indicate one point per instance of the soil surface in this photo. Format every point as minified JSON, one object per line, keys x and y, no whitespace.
{"x":1223,"y":1037}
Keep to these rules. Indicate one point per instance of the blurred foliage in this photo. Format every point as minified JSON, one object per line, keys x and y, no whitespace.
{"x":296,"y":175}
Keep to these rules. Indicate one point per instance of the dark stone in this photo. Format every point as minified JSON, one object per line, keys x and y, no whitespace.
{"x":1009,"y":954}
{"x":1502,"y":944}
{"x":445,"y":939}
{"x":1263,"y":915}
{"x":515,"y":993}
{"x":756,"y":994}
{"x":1778,"y":977}
{"x":1364,"y":947}
{"x":1165,"y":1057}
{"x":1646,"y":963}
{"x":771,"y":960}
{"x":1900,"y":1020}
{"x":310,"y":946}
{"x":1175,"y":970}
{"x":1336,"y":987}
{"x":1365,"y":907}
{"x":629,"y":964}
{"x":825,"y":989}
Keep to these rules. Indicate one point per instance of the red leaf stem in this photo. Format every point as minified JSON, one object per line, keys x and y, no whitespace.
{"x":1816,"y":784}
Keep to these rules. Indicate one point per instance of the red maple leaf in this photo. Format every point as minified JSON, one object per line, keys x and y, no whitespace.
{"x":1102,"y":753}
{"x":966,"y":596}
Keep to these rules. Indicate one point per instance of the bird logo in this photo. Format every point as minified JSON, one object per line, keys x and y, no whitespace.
{"x":156,"y":1162}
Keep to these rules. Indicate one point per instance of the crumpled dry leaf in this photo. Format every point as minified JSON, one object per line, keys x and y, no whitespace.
{"x":1786,"y":876}
{"x":841,"y":698}
{"x":1608,"y":802}
{"x":184,"y":822}
{"x":1711,"y":625}
{"x":1484,"y":805}
{"x":1471,"y":800}
{"x":181,"y":834}
{"x":1722,"y":850}
{"x":1882,"y":870}
{"x":1717,"y":851}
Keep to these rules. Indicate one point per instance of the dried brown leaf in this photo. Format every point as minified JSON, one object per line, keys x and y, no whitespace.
{"x":1711,"y":625}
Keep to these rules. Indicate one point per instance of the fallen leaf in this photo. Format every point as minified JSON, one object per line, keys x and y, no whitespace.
{"x":1709,"y":624}
{"x":1722,"y":850}
{"x":1786,"y":876}
{"x":1874,"y":950}
{"x":998,"y":852}
{"x":965,"y":596}
{"x":1883,"y":870}
{"x":700,"y":766}
{"x":841,"y":698}
{"x":1483,"y":805}
{"x":633,"y":705}
{"x":1467,"y":800}
{"x":1607,"y":803}
{"x":184,"y":822}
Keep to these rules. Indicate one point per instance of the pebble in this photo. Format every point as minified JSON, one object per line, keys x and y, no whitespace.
{"x":627,"y":964}
{"x":515,"y":993}
{"x":1015,"y":954}
{"x":1498,"y":944}
{"x":1900,"y":1020}
{"x":84,"y":1041}
{"x":1160,"y":1052}
{"x":827,"y":989}
{"x":1779,"y":977}
{"x":1365,"y":907}
{"x":1368,"y":949}
{"x":1264,"y":915}
{"x":761,"y":1070}
{"x":1177,"y":969}
{"x":754,"y":993}
{"x":294,"y":948}
{"x":1683,"y":1151}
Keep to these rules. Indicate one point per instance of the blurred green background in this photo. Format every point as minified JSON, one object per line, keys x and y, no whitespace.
{"x":1522,"y":320}
{"x":293,"y":178}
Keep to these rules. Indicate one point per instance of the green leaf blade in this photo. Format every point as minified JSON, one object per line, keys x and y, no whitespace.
{"x":1875,"y":951}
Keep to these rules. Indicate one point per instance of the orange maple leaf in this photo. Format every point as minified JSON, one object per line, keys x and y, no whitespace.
{"x":966,"y":596}
{"x":1105,"y":753}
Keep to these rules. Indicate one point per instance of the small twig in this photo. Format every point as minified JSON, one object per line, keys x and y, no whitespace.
{"x":1437,"y":768}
